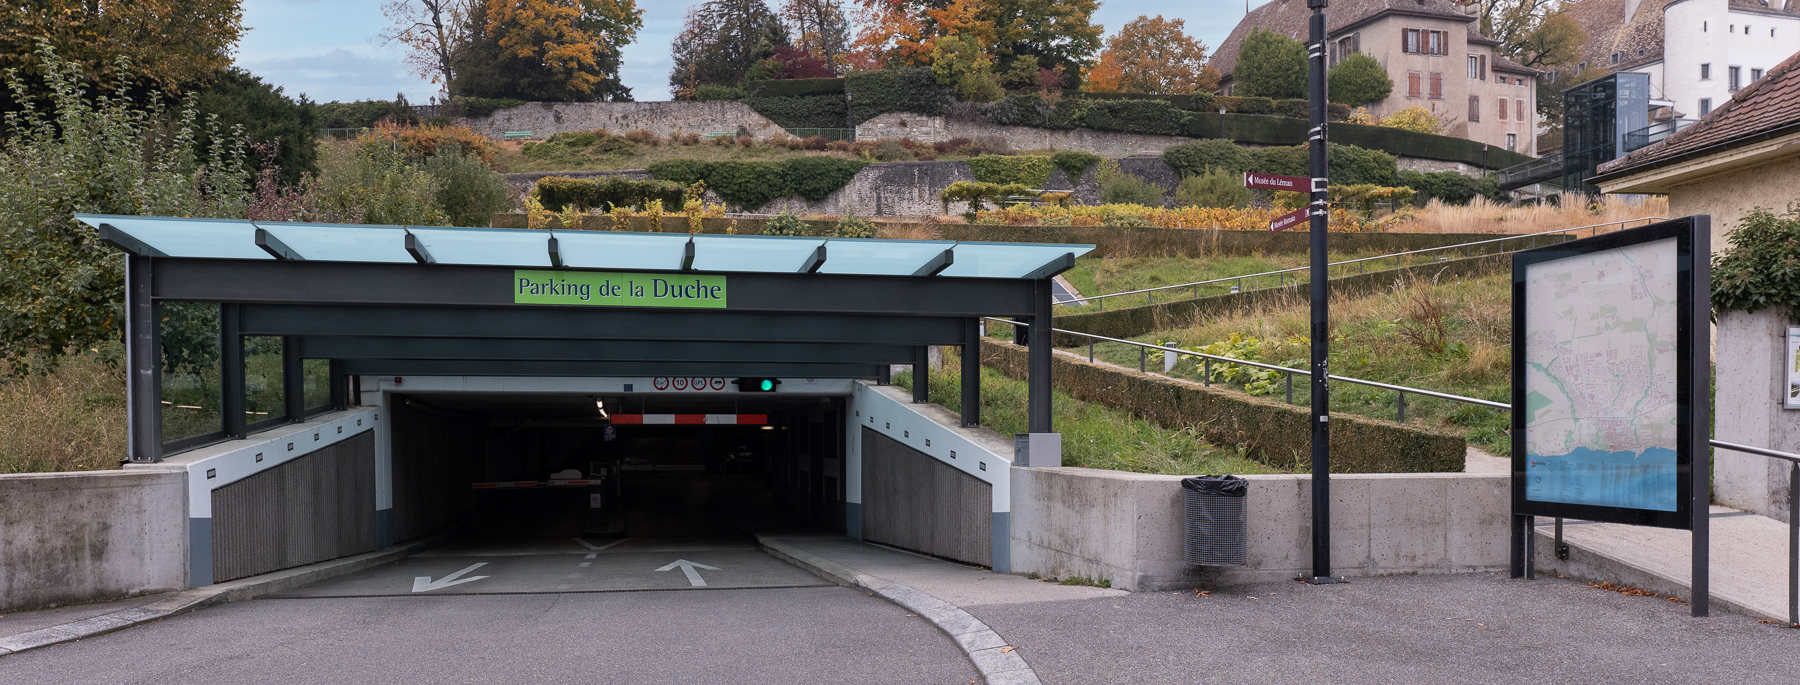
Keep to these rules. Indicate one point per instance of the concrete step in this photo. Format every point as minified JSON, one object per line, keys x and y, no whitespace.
{"x":1749,"y":559}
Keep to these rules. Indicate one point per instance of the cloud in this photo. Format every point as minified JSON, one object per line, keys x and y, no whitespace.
{"x":341,"y":74}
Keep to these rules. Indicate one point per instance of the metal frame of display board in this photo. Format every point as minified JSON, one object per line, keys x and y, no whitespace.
{"x":1692,"y":236}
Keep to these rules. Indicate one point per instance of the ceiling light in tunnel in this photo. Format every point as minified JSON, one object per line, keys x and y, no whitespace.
{"x":768,"y":428}
{"x":601,"y":405}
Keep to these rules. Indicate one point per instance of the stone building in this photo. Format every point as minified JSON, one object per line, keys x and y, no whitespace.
{"x":1432,"y":51}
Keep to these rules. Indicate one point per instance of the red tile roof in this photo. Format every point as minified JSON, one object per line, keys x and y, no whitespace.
{"x":1770,"y":103}
{"x":1289,"y":18}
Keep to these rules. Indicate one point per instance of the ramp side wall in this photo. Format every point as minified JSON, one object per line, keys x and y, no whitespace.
{"x":72,"y":538}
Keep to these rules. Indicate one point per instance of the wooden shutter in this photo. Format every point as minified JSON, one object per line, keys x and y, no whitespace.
{"x":1437,"y":86}
{"x":1520,"y":103}
{"x":1503,"y":109}
{"x":1412,"y":84}
{"x":1484,"y":67}
{"x":1474,"y":108}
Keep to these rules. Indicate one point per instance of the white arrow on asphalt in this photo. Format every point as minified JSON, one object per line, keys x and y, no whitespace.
{"x":426,"y":584}
{"x":688,"y":567}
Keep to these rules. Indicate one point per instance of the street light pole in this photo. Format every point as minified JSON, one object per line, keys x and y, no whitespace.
{"x":1321,"y":316}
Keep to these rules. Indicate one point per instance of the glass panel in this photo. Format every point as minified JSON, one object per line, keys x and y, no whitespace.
{"x":607,"y":250}
{"x":208,"y":238}
{"x":190,"y":370}
{"x":880,"y":257}
{"x":339,"y":243}
{"x":1002,"y":260}
{"x":262,"y":379}
{"x":318,"y":382}
{"x":487,"y":246}
{"x":756,"y":253}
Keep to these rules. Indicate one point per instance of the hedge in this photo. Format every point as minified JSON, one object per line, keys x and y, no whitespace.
{"x":1030,"y":171}
{"x":751,"y":185}
{"x":907,"y":89}
{"x":1269,"y":431}
{"x":1128,"y":322}
{"x":557,"y":192}
{"x":1448,"y":186}
{"x":1074,"y":163}
{"x":1268,"y":130}
{"x":811,"y":111}
{"x":1349,"y":164}
{"x":793,"y":88}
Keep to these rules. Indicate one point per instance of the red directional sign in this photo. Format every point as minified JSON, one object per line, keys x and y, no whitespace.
{"x":1298,"y":184}
{"x":1288,"y":220}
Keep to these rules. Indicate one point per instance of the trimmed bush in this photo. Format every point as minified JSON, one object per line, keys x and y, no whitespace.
{"x":814,"y":178}
{"x":481,"y":107}
{"x":809,"y":111}
{"x":1268,"y":430}
{"x":1352,"y":165}
{"x":1135,"y":116}
{"x":683,"y":171}
{"x":1030,"y":171}
{"x":907,"y":89}
{"x":559,"y":192}
{"x":1074,"y":163}
{"x":1448,"y":187}
{"x":1245,"y":105}
{"x":794,"y":88}
{"x":1193,"y":159}
{"x":1287,"y":161}
{"x":1423,"y":145}
{"x":751,"y":185}
{"x":1214,"y":188}
{"x":712,"y":91}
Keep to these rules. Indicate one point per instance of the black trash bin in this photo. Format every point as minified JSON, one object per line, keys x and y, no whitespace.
{"x":1214,"y":516}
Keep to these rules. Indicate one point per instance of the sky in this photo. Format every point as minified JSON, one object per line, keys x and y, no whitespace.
{"x":328,"y":50}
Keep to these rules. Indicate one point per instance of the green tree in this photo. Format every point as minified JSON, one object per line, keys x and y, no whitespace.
{"x":720,"y":41}
{"x":546,"y":50}
{"x":1357,"y":81}
{"x":238,"y":99}
{"x":962,"y":66}
{"x":60,"y":288}
{"x":169,"y":45}
{"x":1270,"y":65}
{"x":1037,"y":35}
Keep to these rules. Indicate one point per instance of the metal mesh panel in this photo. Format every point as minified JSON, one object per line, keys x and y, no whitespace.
{"x":1215,"y":529}
{"x":317,"y":507}
{"x":913,"y":501}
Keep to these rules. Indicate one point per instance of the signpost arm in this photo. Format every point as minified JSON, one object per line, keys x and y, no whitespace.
{"x":1699,"y":325}
{"x":1321,"y":319}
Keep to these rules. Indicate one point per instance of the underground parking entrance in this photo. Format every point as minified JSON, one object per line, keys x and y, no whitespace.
{"x":567,"y":411}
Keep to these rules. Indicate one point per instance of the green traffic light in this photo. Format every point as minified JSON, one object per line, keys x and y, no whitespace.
{"x":768,"y":384}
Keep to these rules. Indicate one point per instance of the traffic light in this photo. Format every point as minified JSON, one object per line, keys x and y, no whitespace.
{"x":757,"y":384}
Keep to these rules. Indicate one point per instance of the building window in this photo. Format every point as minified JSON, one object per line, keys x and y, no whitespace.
{"x":1519,"y":104}
{"x":1412,"y":84}
{"x":1640,"y":52}
{"x":1474,"y":109}
{"x":1706,"y":72}
{"x":1705,"y":106}
{"x":1503,"y":109}
{"x":1554,"y":75}
{"x":1615,"y":57}
{"x":1474,"y":67}
{"x":1731,"y":78}
{"x":1580,"y":67}
{"x":1437,"y":86}
{"x":1512,"y":142}
{"x":1438,"y":43}
{"x":1411,"y":41}
{"x":1755,"y":75}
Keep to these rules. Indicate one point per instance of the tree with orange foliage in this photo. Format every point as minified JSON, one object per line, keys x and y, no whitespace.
{"x":166,"y":44}
{"x":1155,"y":56}
{"x":1022,"y":37}
{"x":568,"y":37}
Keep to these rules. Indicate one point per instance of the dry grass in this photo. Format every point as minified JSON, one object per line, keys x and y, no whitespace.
{"x":1483,"y":216}
{"x":68,"y":419}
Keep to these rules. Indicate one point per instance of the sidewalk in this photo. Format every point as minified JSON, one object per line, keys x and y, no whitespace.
{"x":1749,"y":559}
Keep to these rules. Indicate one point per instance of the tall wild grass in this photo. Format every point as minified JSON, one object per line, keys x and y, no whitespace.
{"x":70,"y":418}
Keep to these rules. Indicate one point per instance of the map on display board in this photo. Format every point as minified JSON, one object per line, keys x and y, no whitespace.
{"x":1600,"y":378}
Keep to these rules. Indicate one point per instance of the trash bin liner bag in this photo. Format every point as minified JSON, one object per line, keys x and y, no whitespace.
{"x":1226,"y":486}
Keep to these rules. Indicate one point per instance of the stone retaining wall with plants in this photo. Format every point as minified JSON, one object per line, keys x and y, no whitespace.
{"x":1269,"y":431}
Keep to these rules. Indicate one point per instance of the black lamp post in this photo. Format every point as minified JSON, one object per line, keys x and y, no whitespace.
{"x":1321,"y":315}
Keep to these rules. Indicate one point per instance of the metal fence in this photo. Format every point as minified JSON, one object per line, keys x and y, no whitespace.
{"x":1362,"y":263}
{"x":826,"y":133}
{"x":1401,"y":392}
{"x":341,"y":133}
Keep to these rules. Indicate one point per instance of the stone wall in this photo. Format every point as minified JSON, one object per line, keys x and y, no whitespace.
{"x":544,"y":119}
{"x":1128,"y":527}
{"x":884,"y":189}
{"x":934,"y":129}
{"x":72,"y":538}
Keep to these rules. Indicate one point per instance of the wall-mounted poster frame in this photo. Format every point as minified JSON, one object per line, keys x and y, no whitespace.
{"x":1792,"y":400}
{"x":1622,"y":470}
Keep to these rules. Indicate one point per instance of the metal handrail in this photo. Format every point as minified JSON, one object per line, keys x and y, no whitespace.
{"x":1466,"y":247}
{"x":1792,"y":459}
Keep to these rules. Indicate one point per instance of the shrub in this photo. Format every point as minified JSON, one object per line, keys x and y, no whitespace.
{"x":853,"y":226}
{"x":1030,"y":171}
{"x":644,"y":137}
{"x":1073,"y":163}
{"x":1195,"y":158}
{"x":1120,"y":188}
{"x":785,"y":223}
{"x":977,"y":194}
{"x":428,"y":140}
{"x":689,"y":139}
{"x":815,"y":178}
{"x":1757,"y":272}
{"x":1416,"y":119}
{"x":711,"y":92}
{"x":1213,"y":188}
{"x":944,"y":147}
{"x":1135,"y":116}
{"x":557,"y":193}
{"x":1285,"y":160}
{"x":683,"y":171}
{"x":1270,"y":65}
{"x":1201,"y":100}
{"x":1246,"y":105}
{"x":1448,"y":187}
{"x":1357,"y":81}
{"x":238,"y":98}
{"x":753,"y":184}
{"x":377,"y":184}
{"x":906,"y":89}
{"x":811,"y":111}
{"x":468,"y":190}
{"x":892,"y":151}
{"x":748,"y":184}
{"x":1352,"y":165}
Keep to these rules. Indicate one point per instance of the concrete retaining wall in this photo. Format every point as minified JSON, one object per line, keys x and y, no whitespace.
{"x":70,"y":538}
{"x":544,"y":119}
{"x":1752,"y":368}
{"x":311,"y":509}
{"x":1128,"y":527}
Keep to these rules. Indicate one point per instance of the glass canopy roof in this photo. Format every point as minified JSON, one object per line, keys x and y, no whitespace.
{"x":240,"y":239}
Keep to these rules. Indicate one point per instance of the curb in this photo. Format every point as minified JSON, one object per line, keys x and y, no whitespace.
{"x":998,"y":662}
{"x":212,"y":595}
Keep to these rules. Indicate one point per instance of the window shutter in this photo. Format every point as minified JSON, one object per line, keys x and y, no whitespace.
{"x":1412,"y":84}
{"x":1520,"y":104}
{"x":1437,"y":86}
{"x":1503,"y":109}
{"x":1484,"y":67}
{"x":1474,"y":108}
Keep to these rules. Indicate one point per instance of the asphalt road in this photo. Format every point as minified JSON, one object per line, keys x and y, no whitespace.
{"x":1421,"y":629}
{"x":776,"y":636}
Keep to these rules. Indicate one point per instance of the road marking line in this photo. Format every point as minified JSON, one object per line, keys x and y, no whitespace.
{"x":590,"y":555}
{"x":591,"y":545}
{"x":688,"y":567}
{"x":426,"y":584}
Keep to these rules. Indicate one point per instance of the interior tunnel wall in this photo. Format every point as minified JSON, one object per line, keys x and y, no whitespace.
{"x":913,"y":501}
{"x":314,"y":508}
{"x":434,"y":461}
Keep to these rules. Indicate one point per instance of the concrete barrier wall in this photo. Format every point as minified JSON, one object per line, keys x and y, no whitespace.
{"x":1128,"y":527}
{"x":1752,"y":368}
{"x":70,"y":538}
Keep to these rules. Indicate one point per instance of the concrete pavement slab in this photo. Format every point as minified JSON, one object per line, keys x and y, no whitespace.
{"x":26,"y":621}
{"x":605,"y":572}
{"x":957,"y":584}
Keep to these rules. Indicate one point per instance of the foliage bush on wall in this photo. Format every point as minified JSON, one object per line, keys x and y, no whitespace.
{"x":810,"y":111}
{"x":1030,"y":171}
{"x":1758,"y":271}
{"x":751,"y":185}
{"x":1349,"y":164}
{"x":558,"y":192}
{"x":1074,"y":163}
{"x":1448,"y":187}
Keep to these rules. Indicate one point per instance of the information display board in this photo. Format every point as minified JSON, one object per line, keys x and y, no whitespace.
{"x":1792,"y":400}
{"x":1604,"y":377}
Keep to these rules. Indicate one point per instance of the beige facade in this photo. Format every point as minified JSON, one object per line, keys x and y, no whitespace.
{"x":1727,"y":185}
{"x":1456,"y":77}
